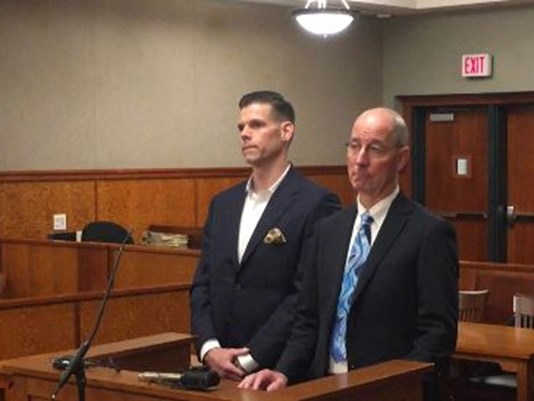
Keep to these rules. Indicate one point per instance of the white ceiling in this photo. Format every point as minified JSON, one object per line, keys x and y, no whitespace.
{"x":392,"y":7}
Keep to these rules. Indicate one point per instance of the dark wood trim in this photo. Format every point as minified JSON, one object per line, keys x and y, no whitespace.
{"x":467,"y":99}
{"x":90,"y":296}
{"x":497,"y":266}
{"x":497,"y":184}
{"x":135,"y":174}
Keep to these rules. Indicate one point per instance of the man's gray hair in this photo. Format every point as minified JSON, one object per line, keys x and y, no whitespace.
{"x":400,"y":130}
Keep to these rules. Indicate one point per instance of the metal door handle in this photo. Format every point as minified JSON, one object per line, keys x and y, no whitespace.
{"x":510,"y":215}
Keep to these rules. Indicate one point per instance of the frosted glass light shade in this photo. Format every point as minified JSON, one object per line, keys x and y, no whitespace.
{"x":324,"y":21}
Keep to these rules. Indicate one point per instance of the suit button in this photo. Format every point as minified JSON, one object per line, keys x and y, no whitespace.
{"x":238,"y":287}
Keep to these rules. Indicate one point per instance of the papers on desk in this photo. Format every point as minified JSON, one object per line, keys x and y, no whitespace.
{"x":165,"y":239}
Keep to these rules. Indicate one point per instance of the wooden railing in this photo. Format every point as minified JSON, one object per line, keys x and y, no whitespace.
{"x":53,"y":288}
{"x":37,"y":268}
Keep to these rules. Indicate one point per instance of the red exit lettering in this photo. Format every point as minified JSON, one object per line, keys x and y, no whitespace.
{"x":475,"y":65}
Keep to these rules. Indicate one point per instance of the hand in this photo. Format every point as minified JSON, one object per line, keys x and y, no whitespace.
{"x":223,"y":361}
{"x":265,"y":379}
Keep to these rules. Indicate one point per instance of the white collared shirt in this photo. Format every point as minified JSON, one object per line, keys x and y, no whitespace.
{"x":378,"y":212}
{"x":255,"y":204}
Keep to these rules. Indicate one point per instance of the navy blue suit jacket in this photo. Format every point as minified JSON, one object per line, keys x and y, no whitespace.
{"x":252,"y":304}
{"x":405,"y":303}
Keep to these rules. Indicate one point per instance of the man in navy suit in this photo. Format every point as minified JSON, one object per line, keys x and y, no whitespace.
{"x":405,"y":300}
{"x":244,"y":290}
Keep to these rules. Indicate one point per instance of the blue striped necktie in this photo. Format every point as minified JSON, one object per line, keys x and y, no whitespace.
{"x":358,"y":256}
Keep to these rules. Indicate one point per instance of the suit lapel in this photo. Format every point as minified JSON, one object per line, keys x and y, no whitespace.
{"x":232,"y":220}
{"x":280,"y":201}
{"x":393,"y":225}
{"x":340,"y":239}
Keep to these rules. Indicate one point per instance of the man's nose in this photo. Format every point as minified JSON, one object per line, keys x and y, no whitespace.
{"x":245,"y":133}
{"x":362,"y":157}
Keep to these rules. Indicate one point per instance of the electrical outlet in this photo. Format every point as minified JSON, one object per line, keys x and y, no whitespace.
{"x":60,"y":221}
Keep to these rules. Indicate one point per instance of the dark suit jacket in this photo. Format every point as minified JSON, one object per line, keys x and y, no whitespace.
{"x":406,"y":300}
{"x":252,"y":304}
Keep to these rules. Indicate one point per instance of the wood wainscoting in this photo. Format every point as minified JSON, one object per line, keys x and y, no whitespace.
{"x":135,"y":199}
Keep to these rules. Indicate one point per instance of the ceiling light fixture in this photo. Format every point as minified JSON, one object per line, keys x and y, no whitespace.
{"x":324,"y":20}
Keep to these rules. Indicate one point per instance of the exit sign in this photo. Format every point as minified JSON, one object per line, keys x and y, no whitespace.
{"x":476,"y":65}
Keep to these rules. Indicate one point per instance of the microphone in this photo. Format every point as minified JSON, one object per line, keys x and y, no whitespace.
{"x":77,"y":363}
{"x":191,"y":379}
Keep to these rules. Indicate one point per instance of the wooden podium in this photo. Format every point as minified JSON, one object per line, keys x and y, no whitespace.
{"x":33,"y":378}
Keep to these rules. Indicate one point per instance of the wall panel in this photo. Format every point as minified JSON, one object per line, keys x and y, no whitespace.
{"x":136,"y":204}
{"x":135,"y":199}
{"x":27,"y":207}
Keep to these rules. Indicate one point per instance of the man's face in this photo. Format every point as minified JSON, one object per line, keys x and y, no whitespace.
{"x":374,"y":160}
{"x":264,"y":138}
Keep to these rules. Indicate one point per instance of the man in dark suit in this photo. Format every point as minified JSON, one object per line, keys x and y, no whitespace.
{"x":404,"y":299}
{"x":244,"y":290}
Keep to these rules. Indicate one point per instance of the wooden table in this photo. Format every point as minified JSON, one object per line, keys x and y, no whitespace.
{"x":510,"y":347}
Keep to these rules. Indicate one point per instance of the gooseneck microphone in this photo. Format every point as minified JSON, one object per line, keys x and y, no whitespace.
{"x":77,"y":363}
{"x":191,"y":379}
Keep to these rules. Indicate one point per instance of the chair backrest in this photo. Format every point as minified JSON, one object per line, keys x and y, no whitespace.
{"x":472,"y":305}
{"x":106,"y":231}
{"x":523,"y":306}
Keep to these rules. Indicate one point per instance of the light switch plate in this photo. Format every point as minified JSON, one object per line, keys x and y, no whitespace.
{"x":60,"y":221}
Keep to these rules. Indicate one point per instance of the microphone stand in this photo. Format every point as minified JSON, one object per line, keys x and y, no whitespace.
{"x":77,"y":363}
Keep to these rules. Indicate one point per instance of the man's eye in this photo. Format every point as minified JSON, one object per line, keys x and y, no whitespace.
{"x":376,"y":149}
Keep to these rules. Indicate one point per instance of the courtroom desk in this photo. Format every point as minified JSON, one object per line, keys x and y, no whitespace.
{"x":37,"y":325}
{"x":36,"y":268}
{"x":510,"y":347}
{"x":33,"y":378}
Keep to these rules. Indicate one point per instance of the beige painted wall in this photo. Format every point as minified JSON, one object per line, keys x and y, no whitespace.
{"x":422,"y":54}
{"x":154,"y":83}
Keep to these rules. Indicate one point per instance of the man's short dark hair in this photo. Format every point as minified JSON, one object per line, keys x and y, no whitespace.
{"x":284,"y":110}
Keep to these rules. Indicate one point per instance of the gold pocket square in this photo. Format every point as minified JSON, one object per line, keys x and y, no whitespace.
{"x":275,"y":236}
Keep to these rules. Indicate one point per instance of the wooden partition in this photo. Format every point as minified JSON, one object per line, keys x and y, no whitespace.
{"x":49,"y":324}
{"x":503,"y":280}
{"x":135,"y":199}
{"x":37,"y":325}
{"x":146,"y":266}
{"x":138,"y":312}
{"x":37,"y":268}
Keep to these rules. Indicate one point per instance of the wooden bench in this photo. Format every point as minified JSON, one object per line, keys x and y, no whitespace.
{"x":503,"y":280}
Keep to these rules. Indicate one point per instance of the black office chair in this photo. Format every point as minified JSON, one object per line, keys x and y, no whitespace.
{"x":106,"y":231}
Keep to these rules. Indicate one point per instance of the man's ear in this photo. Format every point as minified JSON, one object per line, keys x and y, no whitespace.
{"x":287,"y":130}
{"x":404,"y":159}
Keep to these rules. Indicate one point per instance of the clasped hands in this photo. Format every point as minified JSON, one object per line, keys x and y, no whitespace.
{"x":224,"y":361}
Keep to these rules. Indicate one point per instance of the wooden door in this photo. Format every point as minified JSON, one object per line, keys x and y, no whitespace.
{"x":456,"y":174}
{"x":520,"y":133}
